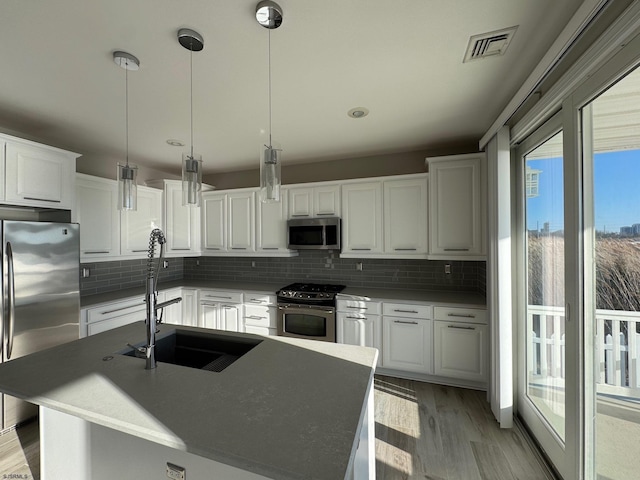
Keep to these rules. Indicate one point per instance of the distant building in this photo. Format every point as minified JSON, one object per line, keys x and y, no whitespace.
{"x":532,"y":182}
{"x":635,"y":228}
{"x":626,"y":231}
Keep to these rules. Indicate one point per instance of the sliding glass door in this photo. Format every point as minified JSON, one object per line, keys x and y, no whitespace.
{"x":541,"y":320}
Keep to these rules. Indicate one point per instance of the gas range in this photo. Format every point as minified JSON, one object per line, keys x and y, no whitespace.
{"x":309,"y":293}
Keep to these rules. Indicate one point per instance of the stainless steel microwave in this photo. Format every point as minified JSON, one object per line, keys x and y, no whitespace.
{"x":313,"y":233}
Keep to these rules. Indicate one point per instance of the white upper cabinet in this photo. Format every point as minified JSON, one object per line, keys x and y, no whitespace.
{"x":314,"y":201}
{"x":136,"y":225}
{"x":457,"y":207}
{"x":228,"y":220}
{"x":97,"y":213}
{"x":405,"y":216}
{"x":271,"y":224}
{"x":214,"y":222}
{"x":362,"y":218}
{"x":182,"y":223}
{"x":240,"y":220}
{"x":37,"y":176}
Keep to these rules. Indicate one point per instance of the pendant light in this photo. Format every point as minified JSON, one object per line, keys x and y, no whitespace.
{"x":127,"y":174}
{"x":269,"y":15}
{"x":191,"y":163}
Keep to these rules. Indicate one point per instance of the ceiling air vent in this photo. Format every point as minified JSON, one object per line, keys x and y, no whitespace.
{"x":489,"y":44}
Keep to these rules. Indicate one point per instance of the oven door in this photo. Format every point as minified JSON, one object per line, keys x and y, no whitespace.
{"x":307,"y":321}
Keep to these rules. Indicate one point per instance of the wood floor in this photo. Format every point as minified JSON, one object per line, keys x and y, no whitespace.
{"x":423,"y":431}
{"x":428,"y":431}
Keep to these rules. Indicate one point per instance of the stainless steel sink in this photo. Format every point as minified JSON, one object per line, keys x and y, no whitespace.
{"x":204,"y":351}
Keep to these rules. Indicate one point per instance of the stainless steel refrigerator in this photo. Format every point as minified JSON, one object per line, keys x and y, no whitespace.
{"x":41,"y":295}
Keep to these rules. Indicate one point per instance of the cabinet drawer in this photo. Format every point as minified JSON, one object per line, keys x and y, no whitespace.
{"x":260,"y":330}
{"x":114,"y":310}
{"x":257,"y":298}
{"x":260,"y":316}
{"x":460,"y":314}
{"x":361,"y":306}
{"x":407,"y":310}
{"x":220,"y":296}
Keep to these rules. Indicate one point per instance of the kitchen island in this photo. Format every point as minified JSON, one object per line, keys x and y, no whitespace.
{"x":287,"y":409}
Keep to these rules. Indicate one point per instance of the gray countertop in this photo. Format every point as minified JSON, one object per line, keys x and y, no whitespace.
{"x":288,"y":409}
{"x":433,"y":297}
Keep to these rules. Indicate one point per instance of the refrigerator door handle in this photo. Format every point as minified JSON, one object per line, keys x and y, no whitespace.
{"x":11,"y":300}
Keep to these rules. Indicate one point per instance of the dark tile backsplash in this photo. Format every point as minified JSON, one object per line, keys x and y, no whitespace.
{"x":313,"y":266}
{"x":121,"y":275}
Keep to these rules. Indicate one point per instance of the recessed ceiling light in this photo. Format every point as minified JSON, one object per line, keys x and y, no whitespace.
{"x":175,"y":143}
{"x":358,"y":112}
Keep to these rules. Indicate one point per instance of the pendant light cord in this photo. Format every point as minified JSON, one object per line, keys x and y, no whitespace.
{"x":270,"y":146}
{"x":126,"y":108}
{"x":191,"y":86}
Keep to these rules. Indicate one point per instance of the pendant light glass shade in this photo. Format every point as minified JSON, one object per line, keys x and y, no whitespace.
{"x":191,"y":179}
{"x":127,"y":187}
{"x":270,"y":174}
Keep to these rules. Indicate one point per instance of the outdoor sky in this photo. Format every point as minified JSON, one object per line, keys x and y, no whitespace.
{"x":617,"y":192}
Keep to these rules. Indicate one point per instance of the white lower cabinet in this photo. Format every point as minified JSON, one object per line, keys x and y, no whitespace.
{"x":407,"y":344}
{"x":259,"y":313}
{"x":221,"y":310}
{"x":106,"y":316}
{"x":360,"y":329}
{"x":171,"y":315}
{"x":460,"y":350}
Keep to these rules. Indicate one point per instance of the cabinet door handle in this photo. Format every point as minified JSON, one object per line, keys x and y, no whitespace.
{"x":212,"y":248}
{"x":180,"y":249}
{"x":96,"y":252}
{"x":120,"y":309}
{"x":270,"y":248}
{"x":407,"y":323}
{"x":228,"y":307}
{"x":42,"y":199}
{"x":218,"y":296}
{"x":406,"y":311}
{"x":456,"y":249}
{"x":238,"y":248}
{"x":300,"y":215}
{"x":138,"y":251}
{"x":405,"y":249}
{"x":320,"y":214}
{"x":361,"y":249}
{"x":460,"y":327}
{"x":256,"y":317}
{"x":254,"y":300}
{"x":357,"y":308}
{"x":460,"y":315}
{"x":356,"y":318}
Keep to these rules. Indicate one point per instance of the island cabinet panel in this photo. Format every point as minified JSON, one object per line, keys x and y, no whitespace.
{"x":98,"y":216}
{"x":457,"y":206}
{"x":405,"y":216}
{"x":362,"y":218}
{"x":39,"y":176}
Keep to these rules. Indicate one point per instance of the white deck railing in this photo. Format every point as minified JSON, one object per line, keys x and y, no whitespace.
{"x":617,"y":345}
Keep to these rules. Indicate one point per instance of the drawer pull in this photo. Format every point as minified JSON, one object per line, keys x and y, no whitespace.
{"x":256,"y":317}
{"x":120,"y":309}
{"x":95,"y":252}
{"x":460,"y":327}
{"x":405,"y":249}
{"x":456,"y":249}
{"x":355,"y":318}
{"x":218,"y":296}
{"x":212,"y":248}
{"x":270,"y":248}
{"x":254,"y":300}
{"x":180,"y":249}
{"x":407,"y":323}
{"x":460,"y":315}
{"x":300,"y":215}
{"x":358,"y":308}
{"x":361,"y":249}
{"x":228,"y":307}
{"x":138,"y":251}
{"x":42,"y":199}
{"x":238,"y":248}
{"x":406,"y":311}
{"x":328,"y":213}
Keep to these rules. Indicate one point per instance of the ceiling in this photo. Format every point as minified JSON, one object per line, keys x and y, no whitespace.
{"x":403,"y":61}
